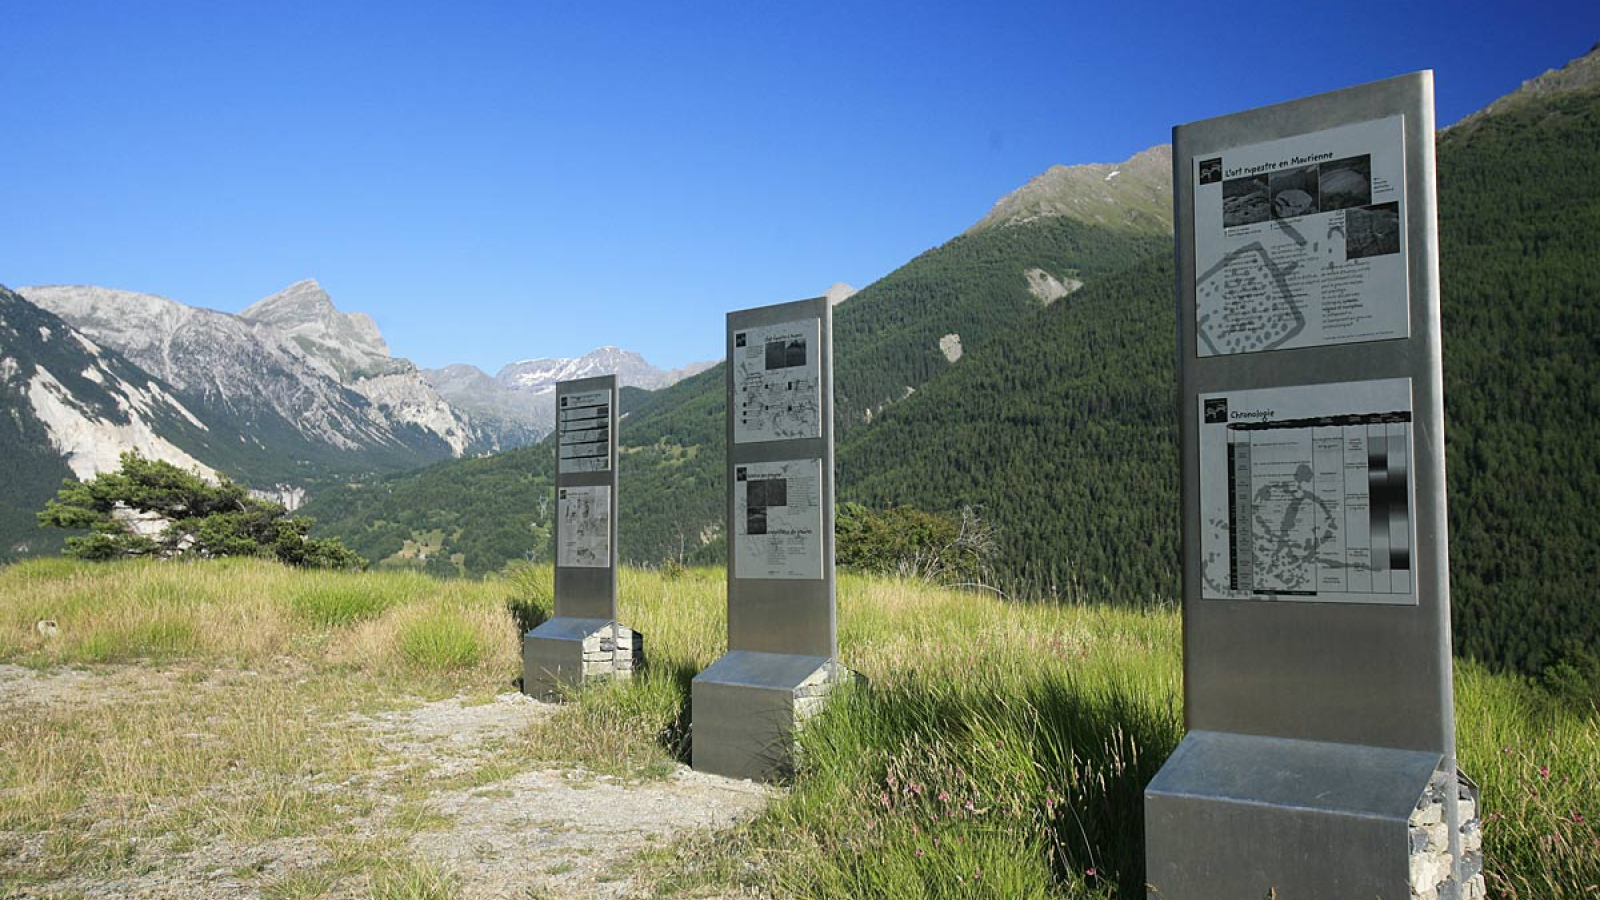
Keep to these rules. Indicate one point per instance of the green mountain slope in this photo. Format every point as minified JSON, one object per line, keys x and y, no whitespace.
{"x":1059,"y":419}
{"x":887,"y":336}
{"x":1061,"y":428}
{"x":887,"y":339}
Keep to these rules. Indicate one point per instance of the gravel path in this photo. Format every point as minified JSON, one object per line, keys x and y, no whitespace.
{"x":536,"y":834}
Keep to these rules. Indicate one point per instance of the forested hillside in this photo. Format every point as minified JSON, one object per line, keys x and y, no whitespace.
{"x":886,"y":337}
{"x":1061,"y":429}
{"x":1059,"y":420}
{"x":1520,"y":243}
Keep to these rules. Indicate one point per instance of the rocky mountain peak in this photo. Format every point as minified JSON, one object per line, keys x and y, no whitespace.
{"x":541,"y":375}
{"x":305,"y":300}
{"x":1133,"y":195}
{"x":348,"y":342}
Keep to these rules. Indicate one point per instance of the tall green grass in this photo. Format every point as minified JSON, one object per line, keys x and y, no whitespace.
{"x":1000,"y":749}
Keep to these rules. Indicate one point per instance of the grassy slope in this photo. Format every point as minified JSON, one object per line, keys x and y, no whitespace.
{"x":1001,"y":752}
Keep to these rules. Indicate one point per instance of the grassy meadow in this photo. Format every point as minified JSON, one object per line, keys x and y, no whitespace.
{"x":1000,"y":751}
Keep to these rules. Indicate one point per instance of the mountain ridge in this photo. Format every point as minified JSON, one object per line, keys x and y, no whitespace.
{"x":1135,"y":195}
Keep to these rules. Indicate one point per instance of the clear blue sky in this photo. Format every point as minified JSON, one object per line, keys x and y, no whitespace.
{"x":498,"y":180}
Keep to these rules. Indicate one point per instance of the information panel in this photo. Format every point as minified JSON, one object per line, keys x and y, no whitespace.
{"x":1300,"y":242}
{"x":585,"y":532}
{"x":778,"y":519}
{"x":1305,"y":493}
{"x":777,"y":382}
{"x":583,"y":432}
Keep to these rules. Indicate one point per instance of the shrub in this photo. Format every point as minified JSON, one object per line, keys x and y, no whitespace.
{"x":912,"y":543}
{"x":153,"y":508}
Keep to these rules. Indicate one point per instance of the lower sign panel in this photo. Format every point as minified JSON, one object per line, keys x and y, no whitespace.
{"x":778,"y":519}
{"x":585,"y":527}
{"x":1306,"y":493}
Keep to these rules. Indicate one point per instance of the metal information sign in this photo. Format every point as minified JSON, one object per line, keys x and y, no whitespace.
{"x":586,"y":498}
{"x":1315,"y":580}
{"x":583,"y":639}
{"x":782,"y":627}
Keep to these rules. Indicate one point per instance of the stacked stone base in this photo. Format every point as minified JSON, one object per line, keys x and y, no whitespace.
{"x":1431,"y":878}
{"x":614,"y":652}
{"x":565,"y":653}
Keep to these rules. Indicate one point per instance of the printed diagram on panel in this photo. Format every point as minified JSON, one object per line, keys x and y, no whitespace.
{"x":583,"y":420}
{"x":1299,"y":242}
{"x":1305,"y":493}
{"x":778,"y":519}
{"x":584,"y":528}
{"x":777,"y":383}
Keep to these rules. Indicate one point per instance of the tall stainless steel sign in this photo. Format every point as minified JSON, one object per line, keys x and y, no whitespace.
{"x":583,"y":640}
{"x":782,"y":631}
{"x":1317,"y":667}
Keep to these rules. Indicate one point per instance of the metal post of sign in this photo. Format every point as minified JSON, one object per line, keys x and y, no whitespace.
{"x":583,"y":640}
{"x":782,"y":627}
{"x":1320,"y":755}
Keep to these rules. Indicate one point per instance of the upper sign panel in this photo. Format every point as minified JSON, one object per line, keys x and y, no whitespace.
{"x":583,"y":425}
{"x":777,"y":383}
{"x":1300,"y":242}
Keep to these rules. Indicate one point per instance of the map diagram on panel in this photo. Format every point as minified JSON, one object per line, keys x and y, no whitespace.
{"x":1305,"y":494}
{"x":583,"y":426}
{"x":1300,"y":242}
{"x":584,"y":529}
{"x":777,"y":513}
{"x":777,"y":384}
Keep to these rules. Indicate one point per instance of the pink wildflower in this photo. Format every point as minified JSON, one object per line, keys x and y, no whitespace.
{"x":944,"y":796}
{"x":1091,"y":872}
{"x":1544,"y":771}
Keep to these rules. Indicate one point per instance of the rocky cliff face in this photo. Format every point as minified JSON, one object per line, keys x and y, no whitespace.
{"x":91,"y":403}
{"x":295,"y":362}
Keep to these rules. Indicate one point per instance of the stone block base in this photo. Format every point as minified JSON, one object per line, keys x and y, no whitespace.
{"x":1233,"y":816}
{"x":747,"y":707}
{"x":565,"y":652}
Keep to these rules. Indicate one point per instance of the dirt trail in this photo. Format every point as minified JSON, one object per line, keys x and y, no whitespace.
{"x":550,"y":832}
{"x":536,"y":834}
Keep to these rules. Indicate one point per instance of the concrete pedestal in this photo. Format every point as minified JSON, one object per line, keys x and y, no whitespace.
{"x":566,"y":652}
{"x":1233,"y":816}
{"x":748,"y":705}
